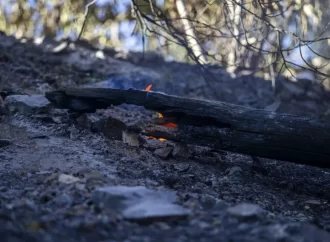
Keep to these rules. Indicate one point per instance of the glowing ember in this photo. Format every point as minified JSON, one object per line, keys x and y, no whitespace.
{"x":170,"y":125}
{"x":160,"y":139}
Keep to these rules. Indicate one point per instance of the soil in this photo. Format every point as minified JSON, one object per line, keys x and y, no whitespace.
{"x":35,"y":206}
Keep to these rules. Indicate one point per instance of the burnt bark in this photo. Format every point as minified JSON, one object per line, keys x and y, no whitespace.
{"x":219,"y":125}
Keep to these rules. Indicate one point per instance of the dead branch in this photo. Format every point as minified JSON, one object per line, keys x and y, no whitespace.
{"x":219,"y":125}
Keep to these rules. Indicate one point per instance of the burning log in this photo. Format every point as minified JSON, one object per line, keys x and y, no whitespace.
{"x":219,"y":125}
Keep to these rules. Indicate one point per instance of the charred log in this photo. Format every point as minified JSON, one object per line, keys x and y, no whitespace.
{"x":220,"y":125}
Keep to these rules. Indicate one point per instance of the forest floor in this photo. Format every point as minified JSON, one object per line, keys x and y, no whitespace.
{"x":62,"y":182}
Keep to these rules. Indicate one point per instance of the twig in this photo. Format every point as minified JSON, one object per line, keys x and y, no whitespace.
{"x":85,"y":18}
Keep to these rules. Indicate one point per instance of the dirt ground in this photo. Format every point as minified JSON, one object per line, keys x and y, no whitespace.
{"x":283,"y":201}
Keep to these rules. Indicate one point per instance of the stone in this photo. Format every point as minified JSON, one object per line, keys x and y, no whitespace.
{"x":163,"y":226}
{"x":233,"y":170}
{"x":63,"y":200}
{"x":139,"y":203}
{"x":245,"y":210}
{"x":93,"y":175}
{"x":67,"y":179}
{"x":113,"y":128}
{"x":80,"y":186}
{"x":51,"y":178}
{"x":164,"y":152}
{"x":91,"y":121}
{"x":27,"y":105}
{"x":130,"y":138}
{"x":313,"y":202}
{"x":124,"y":196}
{"x":94,"y":179}
{"x":181,"y":150}
{"x":151,"y":211}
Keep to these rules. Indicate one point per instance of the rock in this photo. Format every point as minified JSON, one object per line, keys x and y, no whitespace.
{"x":27,"y":105}
{"x":139,"y":203}
{"x":211,"y":203}
{"x":163,"y":226}
{"x":44,"y":117}
{"x":54,"y":176}
{"x":233,"y":170}
{"x":164,"y":152}
{"x":5,"y":142}
{"x":114,"y":128}
{"x":67,"y":179}
{"x":92,"y":121}
{"x":130,"y":138}
{"x":80,"y":186}
{"x":94,"y":179}
{"x":292,"y":203}
{"x":245,"y":210}
{"x":150,"y":211}
{"x":93,"y":175}
{"x":199,"y":224}
{"x":313,"y":202}
{"x":181,"y":150}
{"x":63,"y":200}
{"x":123,"y":196}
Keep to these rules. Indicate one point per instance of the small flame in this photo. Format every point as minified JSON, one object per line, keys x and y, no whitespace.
{"x":160,"y":139}
{"x":170,"y":125}
{"x":148,"y":88}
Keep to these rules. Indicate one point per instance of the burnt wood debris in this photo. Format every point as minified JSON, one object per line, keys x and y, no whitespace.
{"x":219,"y":125}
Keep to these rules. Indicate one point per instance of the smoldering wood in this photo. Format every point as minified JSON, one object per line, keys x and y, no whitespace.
{"x":219,"y":125}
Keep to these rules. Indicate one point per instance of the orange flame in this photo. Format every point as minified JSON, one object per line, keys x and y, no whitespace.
{"x":170,"y":125}
{"x":148,"y":88}
{"x":160,"y":139}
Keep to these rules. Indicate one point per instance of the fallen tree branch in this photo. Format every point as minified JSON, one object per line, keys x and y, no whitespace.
{"x":219,"y":125}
